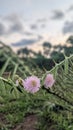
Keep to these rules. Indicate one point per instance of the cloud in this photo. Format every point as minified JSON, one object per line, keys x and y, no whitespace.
{"x":16,"y":27}
{"x":0,"y":17}
{"x":11,"y":24}
{"x":28,"y":33}
{"x":12,"y":17}
{"x":43,"y":25}
{"x":41,"y":20}
{"x":70,"y":8}
{"x":68,"y":27}
{"x":33,"y":26}
{"x":2,"y":29}
{"x":24,"y":42}
{"x":40,"y":37}
{"x":16,"y":24}
{"x":36,"y":26}
{"x":57,"y":15}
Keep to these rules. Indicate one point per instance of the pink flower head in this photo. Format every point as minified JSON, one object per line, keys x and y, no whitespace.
{"x":31,"y":84}
{"x":49,"y":81}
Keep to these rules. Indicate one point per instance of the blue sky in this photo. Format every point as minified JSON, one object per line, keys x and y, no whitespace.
{"x":27,"y":22}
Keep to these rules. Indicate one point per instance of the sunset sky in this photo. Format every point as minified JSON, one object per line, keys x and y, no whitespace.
{"x":31,"y":22}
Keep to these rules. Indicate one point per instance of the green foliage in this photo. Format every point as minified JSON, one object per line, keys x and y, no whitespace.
{"x":54,"y":107}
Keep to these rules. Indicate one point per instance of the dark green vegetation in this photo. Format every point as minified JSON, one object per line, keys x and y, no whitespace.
{"x":53,"y":108}
{"x":54,"y":52}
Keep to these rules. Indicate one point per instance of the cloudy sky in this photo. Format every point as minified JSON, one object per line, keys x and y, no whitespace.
{"x":31,"y":22}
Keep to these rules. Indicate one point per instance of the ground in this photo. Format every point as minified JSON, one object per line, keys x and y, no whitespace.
{"x":28,"y":124}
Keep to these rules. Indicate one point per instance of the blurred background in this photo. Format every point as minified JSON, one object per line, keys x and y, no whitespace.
{"x":40,"y":30}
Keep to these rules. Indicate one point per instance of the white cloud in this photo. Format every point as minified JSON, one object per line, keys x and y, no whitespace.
{"x":68,"y":27}
{"x":57,"y":14}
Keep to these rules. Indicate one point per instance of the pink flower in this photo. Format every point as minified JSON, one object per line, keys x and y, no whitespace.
{"x":31,"y":84}
{"x":49,"y":81}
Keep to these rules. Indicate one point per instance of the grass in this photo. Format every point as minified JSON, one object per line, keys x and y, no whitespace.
{"x":53,"y":107}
